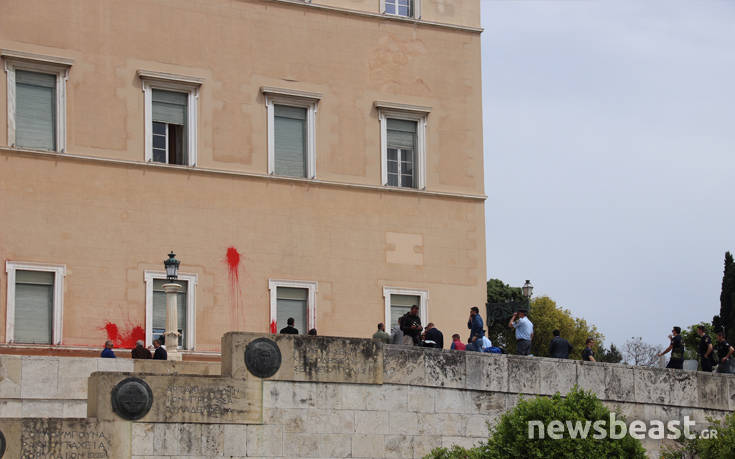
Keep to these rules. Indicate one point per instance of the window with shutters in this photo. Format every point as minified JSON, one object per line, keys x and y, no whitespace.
{"x":291,"y":132}
{"x":170,"y":118}
{"x":403,"y":145}
{"x":405,"y":8}
{"x":36,"y":101}
{"x":296,"y":299}
{"x":398,"y":301}
{"x":35,"y":297}
{"x":156,"y":308}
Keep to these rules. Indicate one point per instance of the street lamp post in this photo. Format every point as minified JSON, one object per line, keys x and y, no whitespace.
{"x":171,"y":335}
{"x":527,"y":291}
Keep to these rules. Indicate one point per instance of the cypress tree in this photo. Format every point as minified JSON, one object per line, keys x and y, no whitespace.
{"x":727,"y":299}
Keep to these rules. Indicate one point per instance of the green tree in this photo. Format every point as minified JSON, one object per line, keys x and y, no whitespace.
{"x":726,"y":318}
{"x":510,"y":438}
{"x":502,"y":300}
{"x":547,"y":317}
{"x":612,"y":355}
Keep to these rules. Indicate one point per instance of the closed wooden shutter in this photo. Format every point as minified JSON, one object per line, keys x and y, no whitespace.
{"x":34,"y":306}
{"x":35,"y":110}
{"x":292,"y":302}
{"x":290,"y":141}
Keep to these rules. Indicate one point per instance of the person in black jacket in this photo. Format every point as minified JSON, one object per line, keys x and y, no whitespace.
{"x":140,"y":352}
{"x":160,"y":352}
{"x":289,"y":329}
{"x":677,"y":350}
{"x":431,"y":333}
{"x":411,"y":325}
{"x":559,"y":348}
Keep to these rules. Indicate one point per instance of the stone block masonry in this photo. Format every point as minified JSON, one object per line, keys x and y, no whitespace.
{"x":336,"y":397}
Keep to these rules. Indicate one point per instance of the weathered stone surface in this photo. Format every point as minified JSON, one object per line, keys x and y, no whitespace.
{"x":713,"y":390}
{"x":403,"y":365}
{"x":367,"y":445}
{"x":652,"y":385}
{"x":487,"y":371}
{"x":592,"y":376}
{"x":40,"y":377}
{"x":421,"y":399}
{"x":445,"y":368}
{"x":235,"y":440}
{"x":683,"y":388}
{"x":184,"y":398}
{"x":372,"y":422}
{"x":398,"y":446}
{"x":173,"y":367}
{"x":264,"y":440}
{"x":619,"y":382}
{"x":73,"y":374}
{"x":10,"y":372}
{"x":524,"y":376}
{"x":309,"y":358}
{"x":77,"y":438}
{"x":422,"y":445}
{"x":556,"y":375}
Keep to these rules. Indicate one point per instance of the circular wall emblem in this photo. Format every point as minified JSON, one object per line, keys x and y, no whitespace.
{"x":2,"y":444}
{"x":262,"y":357}
{"x":132,"y":398}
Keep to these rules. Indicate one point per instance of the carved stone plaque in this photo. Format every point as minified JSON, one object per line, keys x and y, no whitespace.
{"x":262,"y":357}
{"x":132,"y":398}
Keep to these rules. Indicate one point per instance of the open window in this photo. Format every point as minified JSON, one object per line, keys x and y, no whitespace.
{"x":398,"y":301}
{"x":293,"y":299}
{"x":403,"y":144}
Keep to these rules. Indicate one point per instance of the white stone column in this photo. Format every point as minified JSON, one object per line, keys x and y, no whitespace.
{"x":171,"y":334}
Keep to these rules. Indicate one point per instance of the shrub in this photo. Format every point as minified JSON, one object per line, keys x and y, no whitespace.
{"x":510,"y":437}
{"x":718,"y":446}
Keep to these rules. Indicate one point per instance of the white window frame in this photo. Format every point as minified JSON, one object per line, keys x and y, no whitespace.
{"x":58,"y":313}
{"x":312,"y":288}
{"x":410,"y":113}
{"x":416,"y":10}
{"x":177,"y":83}
{"x":423,"y":302}
{"x":17,"y":60}
{"x":292,"y":98}
{"x":191,"y":280}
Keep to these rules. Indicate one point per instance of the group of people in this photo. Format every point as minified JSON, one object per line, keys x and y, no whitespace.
{"x":706,"y":350}
{"x":289,"y":329}
{"x":139,"y":351}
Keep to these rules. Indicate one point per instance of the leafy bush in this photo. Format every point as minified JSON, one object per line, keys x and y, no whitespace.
{"x":721,"y":445}
{"x":510,"y":437}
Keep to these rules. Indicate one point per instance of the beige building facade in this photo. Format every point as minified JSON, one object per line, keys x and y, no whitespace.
{"x":319,"y":160}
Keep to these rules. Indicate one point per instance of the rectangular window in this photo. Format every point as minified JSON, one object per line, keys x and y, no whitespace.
{"x":403,"y":144}
{"x":159,"y":310}
{"x":291,"y":116}
{"x":400,"y":305}
{"x":170,"y":117}
{"x":401,"y":153}
{"x":290,"y":141}
{"x":155,"y":308}
{"x":35,"y":303}
{"x":34,"y":306}
{"x":35,"y":110}
{"x":399,"y":7}
{"x":292,"y":303}
{"x":36,"y":96}
{"x":169,"y":126}
{"x":398,"y":301}
{"x":295,"y":299}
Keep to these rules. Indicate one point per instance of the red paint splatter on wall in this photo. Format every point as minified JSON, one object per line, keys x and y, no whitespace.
{"x":274,"y":327}
{"x":124,"y":340}
{"x":232,"y":258}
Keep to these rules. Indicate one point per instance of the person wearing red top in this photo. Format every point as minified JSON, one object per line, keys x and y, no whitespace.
{"x":457,"y":344}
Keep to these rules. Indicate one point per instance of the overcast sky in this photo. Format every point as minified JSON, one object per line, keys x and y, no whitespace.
{"x":609,"y":132}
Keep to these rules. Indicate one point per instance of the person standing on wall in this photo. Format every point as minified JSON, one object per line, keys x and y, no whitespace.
{"x":559,"y":348}
{"x":107,"y":351}
{"x":706,"y":353}
{"x":160,"y":352}
{"x":477,"y":330}
{"x":724,"y":352}
{"x":411,"y":326}
{"x":588,"y":354}
{"x":140,"y":352}
{"x":524,"y":331}
{"x":677,"y":350}
{"x":381,"y":335}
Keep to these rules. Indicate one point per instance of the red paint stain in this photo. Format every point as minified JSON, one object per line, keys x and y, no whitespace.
{"x":125,"y":340}
{"x":274,"y":328}
{"x":232,"y":258}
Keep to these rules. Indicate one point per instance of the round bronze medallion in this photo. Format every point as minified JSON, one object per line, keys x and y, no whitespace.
{"x":2,"y":444}
{"x":132,"y":398}
{"x":262,"y":357}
